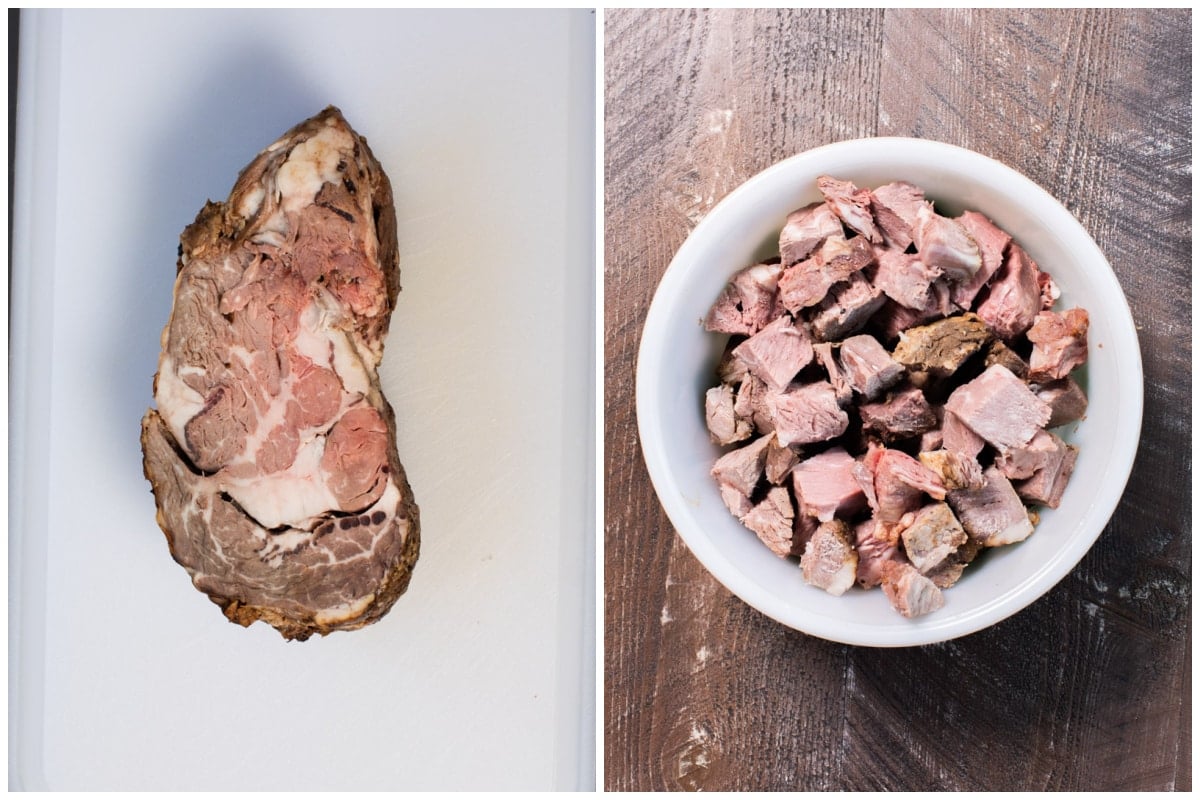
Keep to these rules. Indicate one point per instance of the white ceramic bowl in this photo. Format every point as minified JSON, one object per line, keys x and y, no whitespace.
{"x":677,"y":361}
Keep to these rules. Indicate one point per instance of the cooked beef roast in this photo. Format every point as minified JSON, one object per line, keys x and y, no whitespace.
{"x":272,"y":450}
{"x":895,"y":372}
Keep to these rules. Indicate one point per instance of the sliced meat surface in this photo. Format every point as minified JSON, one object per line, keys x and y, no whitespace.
{"x":933,"y":535}
{"x":806,"y":228}
{"x":1066,"y":399}
{"x":1000,"y":407}
{"x":902,"y":200}
{"x":992,"y":515}
{"x":806,"y":283}
{"x":846,"y":309}
{"x":904,"y":413}
{"x":772,"y":520}
{"x":777,"y":352}
{"x":824,"y":355}
{"x":873,"y":552}
{"x":959,"y":438}
{"x":904,"y":277}
{"x":1046,"y":485}
{"x":956,"y":470}
{"x":867,"y":365}
{"x":851,"y":204}
{"x":910,"y":592}
{"x":724,"y":426}
{"x":945,"y":245}
{"x":992,"y":243}
{"x":742,"y":468}
{"x":901,"y":483}
{"x":1014,"y":297}
{"x":1059,"y":344}
{"x":825,"y":485}
{"x":780,"y":461}
{"x":830,"y":561}
{"x":807,"y":414}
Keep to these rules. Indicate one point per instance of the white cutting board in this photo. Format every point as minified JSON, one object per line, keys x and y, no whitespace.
{"x":122,"y":676}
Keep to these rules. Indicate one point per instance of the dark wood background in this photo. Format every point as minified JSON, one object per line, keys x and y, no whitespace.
{"x":1088,"y":688}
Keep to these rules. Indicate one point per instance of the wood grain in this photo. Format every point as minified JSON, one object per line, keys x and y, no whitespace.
{"x":1089,"y":688}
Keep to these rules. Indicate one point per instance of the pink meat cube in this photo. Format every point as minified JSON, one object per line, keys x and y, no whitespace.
{"x":807,"y":414}
{"x":992,"y":242}
{"x":850,"y":203}
{"x":777,"y":352}
{"x":771,"y":520}
{"x":830,"y":561}
{"x":1059,"y":344}
{"x":825,"y":485}
{"x":1000,"y":407}
{"x":868,"y":366}
{"x":748,"y":301}
{"x":806,"y":228}
{"x":1014,"y":297}
{"x":993,"y":515}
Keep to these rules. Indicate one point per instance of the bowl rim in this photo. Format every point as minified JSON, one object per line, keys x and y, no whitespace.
{"x":929,"y":629}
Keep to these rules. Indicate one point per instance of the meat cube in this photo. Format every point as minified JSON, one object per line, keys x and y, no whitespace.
{"x":825,"y":485}
{"x":992,"y":242}
{"x":897,"y":208}
{"x":893,"y":318}
{"x":777,"y":352}
{"x":732,"y":370}
{"x":1000,"y":407}
{"x":780,"y":461}
{"x":959,"y":438}
{"x":846,"y":309}
{"x":904,"y":277}
{"x":1014,"y":297}
{"x":751,"y":404}
{"x":1066,"y":399}
{"x":829,"y":561}
{"x":910,"y":592}
{"x":999,"y":353}
{"x":742,"y":468}
{"x":933,"y":535}
{"x":1059,"y":344}
{"x":803,"y":528}
{"x":992,"y":515}
{"x":748,"y":302}
{"x":931,"y":439}
{"x":806,"y":228}
{"x":724,"y":426}
{"x":904,"y":414}
{"x":867,"y":365}
{"x":873,"y":551}
{"x":1042,"y":468}
{"x":945,"y":245}
{"x":941,"y":347}
{"x":1047,"y":485}
{"x":852,"y":204}
{"x":900,"y":481}
{"x":949,"y":571}
{"x":956,"y":470}
{"x":823,"y":353}
{"x":806,"y":283}
{"x":771,"y":520}
{"x":806,"y":414}
{"x":735,"y":500}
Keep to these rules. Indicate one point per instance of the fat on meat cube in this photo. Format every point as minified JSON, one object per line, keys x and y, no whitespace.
{"x":1059,"y":344}
{"x":1000,"y":407}
{"x":1047,"y":485}
{"x":956,"y":470}
{"x":806,"y":228}
{"x":933,"y":535}
{"x":1014,"y":297}
{"x":777,"y":352}
{"x":852,"y":204}
{"x":910,"y":592}
{"x":825,"y":485}
{"x":944,"y":244}
{"x":772,"y":520}
{"x":724,"y":426}
{"x":873,"y":551}
{"x":742,"y":468}
{"x":748,"y":301}
{"x":992,"y":242}
{"x":992,"y":515}
{"x":941,"y":347}
{"x":867,"y":365}
{"x":830,"y":561}
{"x":823,"y":353}
{"x":807,"y":414}
{"x":897,"y":208}
{"x":780,"y":461}
{"x":959,"y":438}
{"x":903,"y":414}
{"x":847,"y":308}
{"x":806,"y":283}
{"x":900,"y":482}
{"x":1066,"y":399}
{"x":904,"y":277}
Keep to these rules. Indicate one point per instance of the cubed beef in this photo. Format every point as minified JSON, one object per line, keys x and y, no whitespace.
{"x":893,"y":318}
{"x":730,"y":369}
{"x":742,"y":468}
{"x":992,"y":515}
{"x":910,"y":592}
{"x":903,"y":414}
{"x":748,"y":302}
{"x":751,"y":404}
{"x":959,"y":438}
{"x":806,"y":283}
{"x":992,"y":242}
{"x":945,"y":245}
{"x":824,"y":355}
{"x":1059,"y":344}
{"x":852,"y":204}
{"x":941,"y":347}
{"x":956,"y":470}
{"x":903,"y":277}
{"x":772,"y":520}
{"x":900,"y":483}
{"x":780,"y":461}
{"x":1047,"y":485}
{"x":933,"y":535}
{"x":873,"y":551}
{"x":803,"y":528}
{"x":868,"y":367}
{"x":1014,"y":296}
{"x":1066,"y":399}
{"x":806,"y":228}
{"x":724,"y":426}
{"x":1000,"y":407}
{"x":829,"y":561}
{"x":1041,"y":468}
{"x":897,"y":207}
{"x":806,"y":414}
{"x":846,"y":309}
{"x":825,"y":485}
{"x":777,"y":352}
{"x":735,"y":500}
{"x":1050,"y":290}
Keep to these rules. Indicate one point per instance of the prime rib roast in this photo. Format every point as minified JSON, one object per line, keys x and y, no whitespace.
{"x":271,"y":452}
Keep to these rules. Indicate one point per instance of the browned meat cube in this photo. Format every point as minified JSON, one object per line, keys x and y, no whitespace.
{"x":873,"y":551}
{"x":945,"y":245}
{"x":910,"y":592}
{"x":956,"y":470}
{"x":949,"y":571}
{"x":933,"y":535}
{"x":852,"y":204}
{"x":904,"y":414}
{"x":846,"y":309}
{"x":830,"y":561}
{"x":806,"y":283}
{"x":900,"y":482}
{"x":992,"y":242}
{"x":806,"y":414}
{"x":803,"y":528}
{"x":868,"y":367}
{"x":1014,"y":297}
{"x":1000,"y":407}
{"x":777,"y":352}
{"x":748,"y":301}
{"x":941,"y":347}
{"x":825,"y":485}
{"x":999,"y":353}
{"x":806,"y":228}
{"x":772,"y":520}
{"x":904,"y":277}
{"x":1059,"y":344}
{"x":994,"y":514}
{"x":724,"y":426}
{"x":1066,"y":399}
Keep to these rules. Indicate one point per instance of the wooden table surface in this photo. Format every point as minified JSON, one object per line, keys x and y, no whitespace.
{"x":1088,"y":688}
